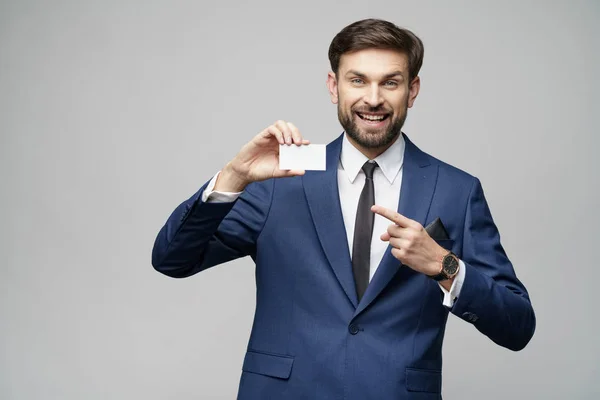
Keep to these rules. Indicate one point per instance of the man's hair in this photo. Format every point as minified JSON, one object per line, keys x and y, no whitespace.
{"x":377,"y":34}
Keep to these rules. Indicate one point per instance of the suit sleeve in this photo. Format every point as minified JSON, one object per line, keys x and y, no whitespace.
{"x":492,"y":298}
{"x":199,"y":235}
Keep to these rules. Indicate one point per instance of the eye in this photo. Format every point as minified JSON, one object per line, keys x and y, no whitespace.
{"x":357,"y":81}
{"x":391,"y":84}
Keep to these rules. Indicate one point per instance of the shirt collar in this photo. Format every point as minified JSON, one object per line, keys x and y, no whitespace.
{"x":390,"y":161}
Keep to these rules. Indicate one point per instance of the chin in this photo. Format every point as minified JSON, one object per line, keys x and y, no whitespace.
{"x":373,"y":140}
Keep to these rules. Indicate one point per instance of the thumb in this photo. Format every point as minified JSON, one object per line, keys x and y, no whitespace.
{"x":285,"y":173}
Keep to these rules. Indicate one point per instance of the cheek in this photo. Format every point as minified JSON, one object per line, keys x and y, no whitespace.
{"x":400,"y":102}
{"x":346,"y":104}
{"x":349,"y":98}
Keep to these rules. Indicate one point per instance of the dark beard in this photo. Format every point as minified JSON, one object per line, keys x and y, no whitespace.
{"x":370,"y":141}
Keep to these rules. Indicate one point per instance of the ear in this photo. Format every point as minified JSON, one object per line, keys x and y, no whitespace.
{"x":333,"y":87}
{"x":415,"y":86}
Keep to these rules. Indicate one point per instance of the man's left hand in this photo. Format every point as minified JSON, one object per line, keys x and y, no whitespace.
{"x":411,"y":244}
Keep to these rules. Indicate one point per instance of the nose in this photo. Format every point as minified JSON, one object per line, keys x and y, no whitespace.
{"x":373,"y":96}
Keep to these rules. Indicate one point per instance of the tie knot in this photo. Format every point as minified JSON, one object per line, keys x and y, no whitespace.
{"x":368,"y":169}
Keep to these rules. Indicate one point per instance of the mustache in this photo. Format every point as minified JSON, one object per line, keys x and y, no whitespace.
{"x":380,"y":110}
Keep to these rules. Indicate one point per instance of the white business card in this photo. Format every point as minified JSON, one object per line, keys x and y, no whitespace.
{"x":306,"y":157}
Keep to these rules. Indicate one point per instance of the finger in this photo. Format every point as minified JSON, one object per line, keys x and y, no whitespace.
{"x":295,"y":172}
{"x":393,"y":216}
{"x":393,"y":231}
{"x":296,"y":136}
{"x":399,"y":243}
{"x":399,"y":254}
{"x":274,"y":131}
{"x":286,"y":173}
{"x":285,"y":129}
{"x":305,"y":141}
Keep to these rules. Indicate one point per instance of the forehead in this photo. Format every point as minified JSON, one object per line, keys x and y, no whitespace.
{"x":374,"y":62}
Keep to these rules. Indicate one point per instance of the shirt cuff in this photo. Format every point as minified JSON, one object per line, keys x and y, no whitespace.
{"x":211,"y":196}
{"x":451,"y":296}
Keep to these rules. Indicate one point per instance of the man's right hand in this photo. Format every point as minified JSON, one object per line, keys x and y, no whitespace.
{"x":258,"y":160}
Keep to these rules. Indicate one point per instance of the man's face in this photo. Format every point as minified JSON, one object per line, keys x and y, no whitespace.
{"x":373,"y":95}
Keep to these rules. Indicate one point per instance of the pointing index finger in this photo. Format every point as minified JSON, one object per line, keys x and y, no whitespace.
{"x":393,"y":216}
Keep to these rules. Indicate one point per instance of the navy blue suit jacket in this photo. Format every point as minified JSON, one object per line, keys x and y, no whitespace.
{"x":311,"y":338}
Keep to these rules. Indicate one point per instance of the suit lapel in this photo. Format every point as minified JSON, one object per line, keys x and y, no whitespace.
{"x":419,"y":177}
{"x":322,"y":194}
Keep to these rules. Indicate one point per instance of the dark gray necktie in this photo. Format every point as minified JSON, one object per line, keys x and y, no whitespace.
{"x":363,"y":230}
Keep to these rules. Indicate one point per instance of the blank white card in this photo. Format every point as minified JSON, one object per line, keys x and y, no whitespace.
{"x":306,"y":157}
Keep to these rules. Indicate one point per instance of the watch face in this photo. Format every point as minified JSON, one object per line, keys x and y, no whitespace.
{"x":450,"y":265}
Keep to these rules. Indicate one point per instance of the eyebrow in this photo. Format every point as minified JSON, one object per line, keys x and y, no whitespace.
{"x":388,"y":76}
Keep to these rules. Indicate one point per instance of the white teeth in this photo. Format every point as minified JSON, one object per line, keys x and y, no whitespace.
{"x":372,"y":117}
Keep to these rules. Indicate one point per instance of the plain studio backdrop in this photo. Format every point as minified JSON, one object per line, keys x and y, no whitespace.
{"x":113,"y":112}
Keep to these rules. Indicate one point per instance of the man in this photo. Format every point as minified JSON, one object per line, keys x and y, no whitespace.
{"x":353,"y":293}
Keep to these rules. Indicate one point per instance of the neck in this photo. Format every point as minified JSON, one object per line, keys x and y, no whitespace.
{"x":372,"y":152}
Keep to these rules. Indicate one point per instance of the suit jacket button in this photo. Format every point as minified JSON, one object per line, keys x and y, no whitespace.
{"x":353,"y":329}
{"x":469,"y":316}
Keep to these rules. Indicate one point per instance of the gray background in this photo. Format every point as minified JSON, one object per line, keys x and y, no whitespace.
{"x":113,"y":112}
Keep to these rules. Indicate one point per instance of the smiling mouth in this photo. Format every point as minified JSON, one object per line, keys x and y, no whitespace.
{"x":372,"y":117}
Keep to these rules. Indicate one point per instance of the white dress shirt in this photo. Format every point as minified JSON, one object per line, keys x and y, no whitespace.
{"x":387,"y":181}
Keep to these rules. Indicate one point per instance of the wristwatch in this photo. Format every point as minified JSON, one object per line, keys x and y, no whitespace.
{"x":449,"y":267}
